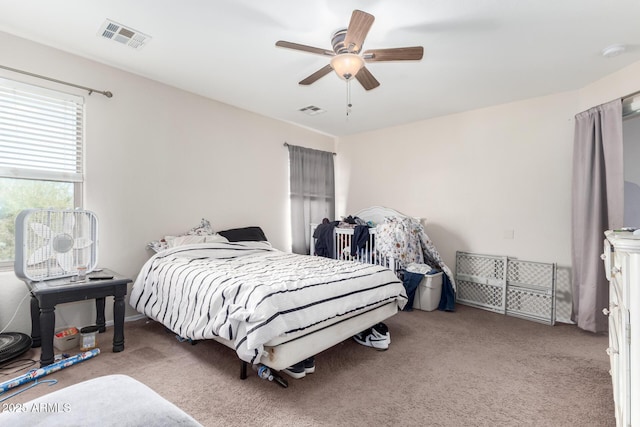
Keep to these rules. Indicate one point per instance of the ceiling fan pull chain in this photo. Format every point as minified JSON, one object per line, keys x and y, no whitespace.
{"x":348,"y":97}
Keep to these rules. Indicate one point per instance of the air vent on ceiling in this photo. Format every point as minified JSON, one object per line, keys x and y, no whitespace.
{"x":312,"y":110}
{"x":128,"y":36}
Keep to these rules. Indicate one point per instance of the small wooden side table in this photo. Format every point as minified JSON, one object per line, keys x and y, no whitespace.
{"x":45,"y":295}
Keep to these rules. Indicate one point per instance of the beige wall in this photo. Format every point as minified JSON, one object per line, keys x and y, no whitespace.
{"x":157,"y":161}
{"x":474,"y":177}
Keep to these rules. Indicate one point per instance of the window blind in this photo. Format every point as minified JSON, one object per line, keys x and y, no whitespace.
{"x":41,"y":133}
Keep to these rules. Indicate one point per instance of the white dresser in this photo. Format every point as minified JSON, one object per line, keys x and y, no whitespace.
{"x":622,"y":266}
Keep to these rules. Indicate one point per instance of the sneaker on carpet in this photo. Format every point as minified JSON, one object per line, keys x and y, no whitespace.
{"x":296,"y":371}
{"x":309,"y":365}
{"x":370,"y":338}
{"x":381,"y":330}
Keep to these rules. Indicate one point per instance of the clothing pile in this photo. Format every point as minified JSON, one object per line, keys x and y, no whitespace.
{"x":324,"y":243}
{"x":404,"y":239}
{"x":413,"y":276}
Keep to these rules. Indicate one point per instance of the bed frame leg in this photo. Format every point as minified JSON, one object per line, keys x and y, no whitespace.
{"x":243,"y":370}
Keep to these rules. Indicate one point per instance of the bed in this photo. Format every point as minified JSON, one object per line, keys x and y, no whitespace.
{"x":272,"y":307}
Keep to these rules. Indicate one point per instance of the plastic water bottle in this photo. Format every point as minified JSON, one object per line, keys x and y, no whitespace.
{"x":265,"y":373}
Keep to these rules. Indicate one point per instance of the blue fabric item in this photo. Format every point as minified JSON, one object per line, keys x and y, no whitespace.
{"x":411,"y":281}
{"x":448,"y":295}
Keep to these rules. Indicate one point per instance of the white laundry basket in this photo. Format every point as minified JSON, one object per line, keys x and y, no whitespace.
{"x":428,"y":293}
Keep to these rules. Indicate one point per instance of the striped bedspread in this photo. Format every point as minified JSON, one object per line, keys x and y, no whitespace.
{"x":250,"y":293}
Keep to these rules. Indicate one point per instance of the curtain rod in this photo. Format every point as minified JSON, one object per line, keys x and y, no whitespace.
{"x":631,"y":95}
{"x":88,"y":89}
{"x":286,"y":144}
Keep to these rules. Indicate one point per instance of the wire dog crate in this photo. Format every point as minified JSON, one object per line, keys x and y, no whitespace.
{"x":506,"y":285}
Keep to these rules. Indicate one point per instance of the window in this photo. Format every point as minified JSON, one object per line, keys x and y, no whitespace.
{"x":312,"y":193}
{"x":41,"y":140}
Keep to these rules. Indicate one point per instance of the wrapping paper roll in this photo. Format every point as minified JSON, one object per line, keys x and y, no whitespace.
{"x":46,"y":370}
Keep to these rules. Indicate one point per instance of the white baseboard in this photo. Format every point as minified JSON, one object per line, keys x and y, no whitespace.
{"x":127,"y":319}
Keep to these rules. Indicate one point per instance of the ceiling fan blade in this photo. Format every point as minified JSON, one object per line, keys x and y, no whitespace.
{"x":366,"y":79}
{"x":394,"y":54}
{"x":304,"y":48}
{"x":357,"y":31}
{"x":317,"y":75}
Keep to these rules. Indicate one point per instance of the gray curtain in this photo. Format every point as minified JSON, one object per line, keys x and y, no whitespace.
{"x":597,"y":205}
{"x":312,"y":192}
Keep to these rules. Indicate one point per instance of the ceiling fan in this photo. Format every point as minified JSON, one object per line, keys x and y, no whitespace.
{"x":347,"y":59}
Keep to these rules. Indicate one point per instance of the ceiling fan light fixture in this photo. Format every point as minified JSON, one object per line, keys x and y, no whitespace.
{"x":347,"y":65}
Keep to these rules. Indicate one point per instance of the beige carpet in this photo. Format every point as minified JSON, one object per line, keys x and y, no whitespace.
{"x":468,"y":368}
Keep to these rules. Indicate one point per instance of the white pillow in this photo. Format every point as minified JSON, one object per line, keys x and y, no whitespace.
{"x":184,"y":240}
{"x":199,"y":234}
{"x":189,"y":239}
{"x":215,"y":238}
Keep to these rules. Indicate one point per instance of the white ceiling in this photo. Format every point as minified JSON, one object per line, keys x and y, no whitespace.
{"x":477,"y":52}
